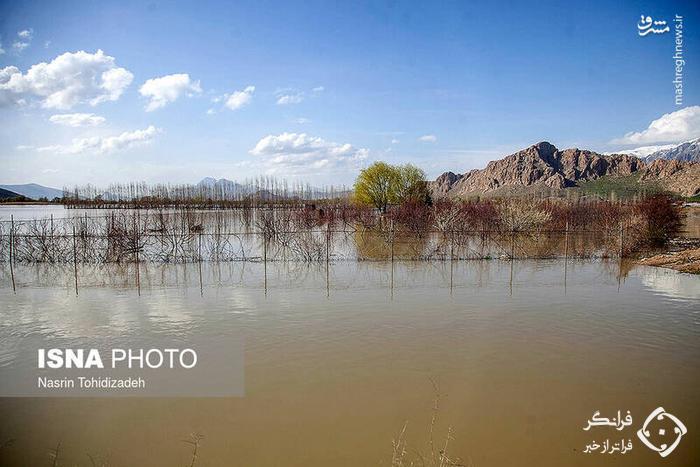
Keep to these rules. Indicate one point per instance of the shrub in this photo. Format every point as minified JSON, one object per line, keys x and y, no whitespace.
{"x":660,"y":216}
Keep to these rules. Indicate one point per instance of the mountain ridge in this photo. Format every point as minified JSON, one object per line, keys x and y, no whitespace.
{"x":687,"y":151}
{"x":543,"y":166}
{"x":9,"y":195}
{"x":34,"y":191}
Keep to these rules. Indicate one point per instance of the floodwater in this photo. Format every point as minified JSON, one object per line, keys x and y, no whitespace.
{"x":339,"y":360}
{"x":33,"y":211}
{"x":102,"y":236}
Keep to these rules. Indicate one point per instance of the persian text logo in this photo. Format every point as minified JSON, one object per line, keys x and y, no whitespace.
{"x":661,"y":432}
{"x":608,"y":446}
{"x":648,"y":26}
{"x":644,"y":433}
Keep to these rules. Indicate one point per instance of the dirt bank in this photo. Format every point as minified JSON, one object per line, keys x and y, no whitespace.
{"x":684,"y":261}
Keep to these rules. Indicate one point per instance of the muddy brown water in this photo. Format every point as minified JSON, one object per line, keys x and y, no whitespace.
{"x":338,"y":360}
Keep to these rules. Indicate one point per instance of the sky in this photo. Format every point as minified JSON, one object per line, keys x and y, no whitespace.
{"x":118,"y":91}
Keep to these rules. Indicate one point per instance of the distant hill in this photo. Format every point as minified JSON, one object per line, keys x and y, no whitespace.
{"x":688,"y":151}
{"x":34,"y":191}
{"x":227,"y":189}
{"x":643,"y":151}
{"x":7,"y":194}
{"x":684,"y":152}
{"x":543,"y":167}
{"x":211,"y":181}
{"x":223,"y":187}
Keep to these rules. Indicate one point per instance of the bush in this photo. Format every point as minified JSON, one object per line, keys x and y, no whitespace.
{"x":660,"y":217}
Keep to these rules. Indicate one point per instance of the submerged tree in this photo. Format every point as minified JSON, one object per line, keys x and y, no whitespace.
{"x":382,"y":184}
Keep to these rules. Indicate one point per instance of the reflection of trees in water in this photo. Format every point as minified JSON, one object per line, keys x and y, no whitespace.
{"x":375,"y":245}
{"x":344,"y":275}
{"x":311,"y":246}
{"x":382,"y":245}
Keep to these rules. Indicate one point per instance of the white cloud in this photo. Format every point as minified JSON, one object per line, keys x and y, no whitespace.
{"x":77,"y":120}
{"x":68,"y":80}
{"x":318,"y":89}
{"x":166,"y":89}
{"x":299,"y":153}
{"x":25,"y":39}
{"x":2,"y":51}
{"x":19,"y":46}
{"x":239,"y":98}
{"x":428,"y":138}
{"x":302,"y":120}
{"x":287,"y":99}
{"x":395,"y":141}
{"x":105,"y":144}
{"x":675,"y":127}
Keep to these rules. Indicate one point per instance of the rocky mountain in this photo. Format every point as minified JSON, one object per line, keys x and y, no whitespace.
{"x":544,"y":167}
{"x":673,"y":175}
{"x":223,"y":187}
{"x":643,"y":151}
{"x":541,"y":166}
{"x":34,"y":191}
{"x":221,"y":182}
{"x":684,"y":152}
{"x":208,"y":181}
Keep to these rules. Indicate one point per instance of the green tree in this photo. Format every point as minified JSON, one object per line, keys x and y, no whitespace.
{"x":374,"y":185}
{"x":411,"y":184}
{"x":382,"y":184}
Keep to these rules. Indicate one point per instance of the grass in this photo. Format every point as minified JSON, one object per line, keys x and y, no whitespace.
{"x":624,"y":187}
{"x":436,"y":455}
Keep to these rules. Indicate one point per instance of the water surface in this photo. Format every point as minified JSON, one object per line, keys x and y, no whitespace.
{"x":338,"y":360}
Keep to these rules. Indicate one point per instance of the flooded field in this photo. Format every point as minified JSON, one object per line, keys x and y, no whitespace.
{"x":338,"y":360}
{"x":339,"y":232}
{"x":359,"y":341}
{"x":349,"y":234}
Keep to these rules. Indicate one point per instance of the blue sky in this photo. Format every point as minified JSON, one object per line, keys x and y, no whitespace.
{"x":327,"y":87}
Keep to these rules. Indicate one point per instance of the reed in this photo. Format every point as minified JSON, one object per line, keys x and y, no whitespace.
{"x":195,"y":441}
{"x":437,"y":455}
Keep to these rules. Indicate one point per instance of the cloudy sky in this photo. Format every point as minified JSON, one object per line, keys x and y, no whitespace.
{"x":95,"y":92}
